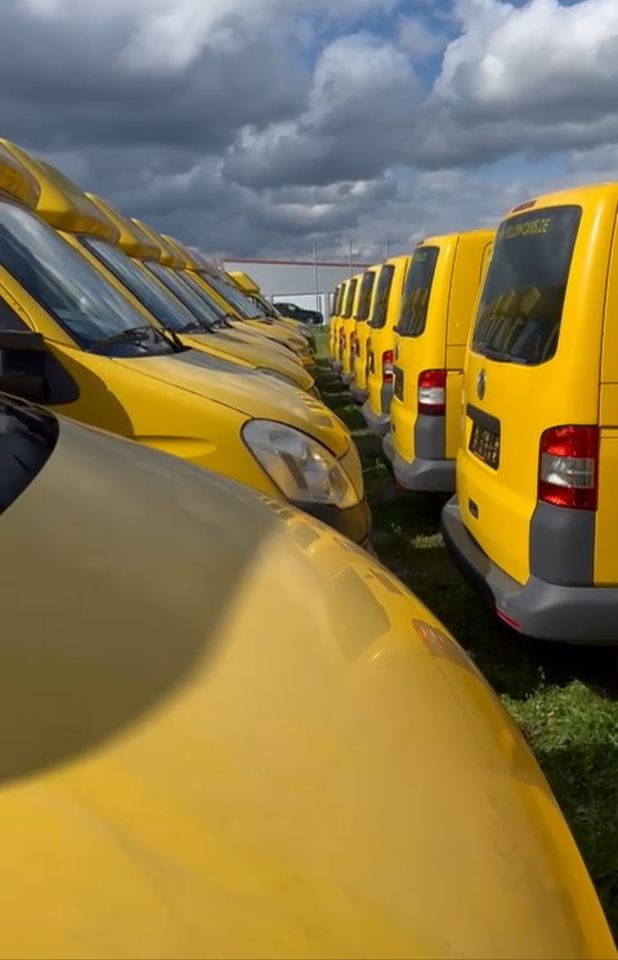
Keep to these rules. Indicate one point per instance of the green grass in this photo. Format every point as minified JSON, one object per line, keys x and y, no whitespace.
{"x":565,"y":699}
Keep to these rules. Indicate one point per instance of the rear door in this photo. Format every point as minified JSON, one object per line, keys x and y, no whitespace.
{"x":526,"y":371}
{"x":361,"y":333}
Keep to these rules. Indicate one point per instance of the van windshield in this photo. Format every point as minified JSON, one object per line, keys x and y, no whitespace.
{"x":161,"y":305}
{"x":383,"y":292}
{"x":199,"y":292}
{"x":172,"y":281}
{"x":520,"y":311}
{"x":69,"y":288}
{"x":364,"y":299}
{"x":349,"y":306}
{"x":417,"y":291}
{"x":234,"y":297}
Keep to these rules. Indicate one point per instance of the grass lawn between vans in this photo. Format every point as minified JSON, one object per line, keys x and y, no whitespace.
{"x":565,"y":699}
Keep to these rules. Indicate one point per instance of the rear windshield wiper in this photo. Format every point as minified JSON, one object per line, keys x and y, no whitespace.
{"x":131,"y":335}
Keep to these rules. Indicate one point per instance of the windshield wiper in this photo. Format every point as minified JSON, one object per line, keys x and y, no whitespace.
{"x":197,"y":326}
{"x":131,"y":335}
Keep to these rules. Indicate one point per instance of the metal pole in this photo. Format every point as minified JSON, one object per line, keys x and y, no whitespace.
{"x":388,"y":247}
{"x":350,"y":257}
{"x":315,"y":276}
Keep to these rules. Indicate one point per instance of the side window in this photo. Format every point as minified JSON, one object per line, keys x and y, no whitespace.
{"x":9,"y":319}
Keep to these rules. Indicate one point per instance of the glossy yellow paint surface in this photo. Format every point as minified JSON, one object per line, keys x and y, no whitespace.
{"x":462,"y":258}
{"x":219,"y":768}
{"x":358,"y":362}
{"x":15,"y":180}
{"x":60,"y":203}
{"x":382,"y":338}
{"x":529,"y":399}
{"x":244,"y":282}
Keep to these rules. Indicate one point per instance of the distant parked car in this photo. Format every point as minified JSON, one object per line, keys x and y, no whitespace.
{"x":294,"y":312}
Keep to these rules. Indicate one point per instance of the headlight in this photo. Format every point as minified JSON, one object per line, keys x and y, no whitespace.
{"x":302,"y":468}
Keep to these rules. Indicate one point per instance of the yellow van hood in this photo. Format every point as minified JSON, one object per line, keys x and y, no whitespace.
{"x":251,"y":393}
{"x":260,"y":355}
{"x":229,"y":734}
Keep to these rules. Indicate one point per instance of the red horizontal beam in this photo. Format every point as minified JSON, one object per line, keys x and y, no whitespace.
{"x":299,"y":263}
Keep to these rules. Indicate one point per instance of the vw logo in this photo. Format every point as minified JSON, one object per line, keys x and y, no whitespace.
{"x":481,"y":385}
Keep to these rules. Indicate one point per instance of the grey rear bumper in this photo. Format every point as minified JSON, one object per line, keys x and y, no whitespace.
{"x":358,"y":394}
{"x":424,"y":476}
{"x":544,"y":611}
{"x":378,"y":423}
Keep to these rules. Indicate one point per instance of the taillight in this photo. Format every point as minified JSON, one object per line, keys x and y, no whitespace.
{"x":387,"y":366}
{"x":432,"y":392}
{"x":568,"y":467}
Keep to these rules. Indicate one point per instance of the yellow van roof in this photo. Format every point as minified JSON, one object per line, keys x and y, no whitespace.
{"x":133,"y":241}
{"x":16,"y":181}
{"x":482,"y":232}
{"x":189,"y":261}
{"x":242,"y":280}
{"x":165,"y":254}
{"x":61,"y":203}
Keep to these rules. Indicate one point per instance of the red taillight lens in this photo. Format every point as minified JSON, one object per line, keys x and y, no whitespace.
{"x":387,"y":366}
{"x":568,"y":467}
{"x":432,"y":392}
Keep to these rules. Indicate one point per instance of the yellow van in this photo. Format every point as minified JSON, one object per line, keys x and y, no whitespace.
{"x":336,"y":324}
{"x":348,"y":329}
{"x":198,"y":326}
{"x":289,"y":334}
{"x":236,"y":306}
{"x":381,"y":343}
{"x":358,"y":361}
{"x":89,"y":350}
{"x":199,"y":763}
{"x":217,"y":280}
{"x":252,"y":292}
{"x":535,"y":519}
{"x":441,"y":290}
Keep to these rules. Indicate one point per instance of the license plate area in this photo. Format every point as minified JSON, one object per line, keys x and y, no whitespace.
{"x":398,"y":383}
{"x":484,"y":437}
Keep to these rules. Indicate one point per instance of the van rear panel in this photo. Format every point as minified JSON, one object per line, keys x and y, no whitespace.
{"x":533,"y":364}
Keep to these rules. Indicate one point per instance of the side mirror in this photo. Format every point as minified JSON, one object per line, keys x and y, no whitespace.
{"x":22,"y":364}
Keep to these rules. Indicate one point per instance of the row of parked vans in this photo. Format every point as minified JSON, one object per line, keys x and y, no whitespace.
{"x":488,"y":361}
{"x":228,"y":731}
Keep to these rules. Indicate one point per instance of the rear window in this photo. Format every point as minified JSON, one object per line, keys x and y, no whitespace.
{"x":383,"y":292}
{"x":520,"y":311}
{"x":364,"y":300}
{"x":349,"y":304}
{"x":336,"y":299}
{"x":416,"y":291}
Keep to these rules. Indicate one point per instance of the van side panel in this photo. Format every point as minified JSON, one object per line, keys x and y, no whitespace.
{"x":606,"y":533}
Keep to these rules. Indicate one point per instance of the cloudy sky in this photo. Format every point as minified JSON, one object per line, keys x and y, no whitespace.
{"x":258,"y":127}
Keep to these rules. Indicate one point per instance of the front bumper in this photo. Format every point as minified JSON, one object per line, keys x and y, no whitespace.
{"x":424,"y":476}
{"x":354,"y":523}
{"x":377,"y":423}
{"x":358,"y":394}
{"x":544,"y":611}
